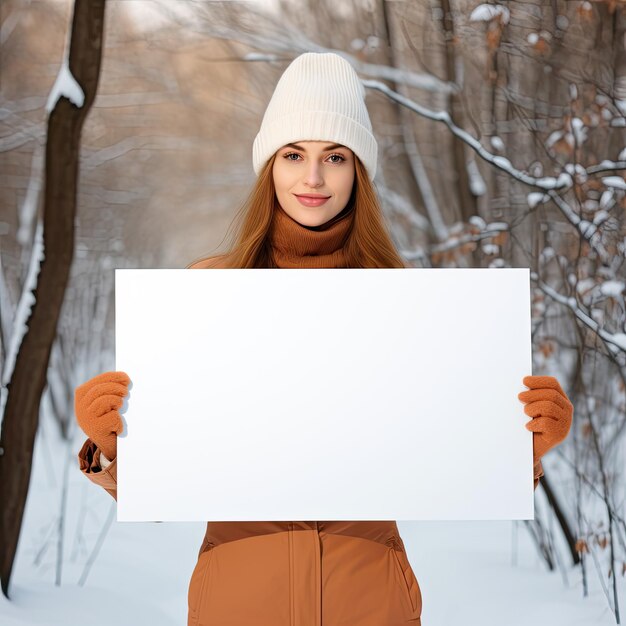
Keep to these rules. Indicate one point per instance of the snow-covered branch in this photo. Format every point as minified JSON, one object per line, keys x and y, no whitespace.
{"x":65,"y":86}
{"x":563,"y":181}
{"x":616,"y":342}
{"x":586,"y":229}
{"x":606,"y":166}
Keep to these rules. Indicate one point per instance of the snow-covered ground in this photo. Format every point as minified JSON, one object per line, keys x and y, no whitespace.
{"x":482,"y":573}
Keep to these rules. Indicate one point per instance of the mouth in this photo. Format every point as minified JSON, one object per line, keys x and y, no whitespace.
{"x":311,"y":199}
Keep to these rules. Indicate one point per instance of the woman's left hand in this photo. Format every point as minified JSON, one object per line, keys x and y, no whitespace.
{"x":551,"y":412}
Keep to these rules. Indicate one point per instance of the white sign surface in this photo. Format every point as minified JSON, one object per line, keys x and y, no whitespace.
{"x":324,"y":394}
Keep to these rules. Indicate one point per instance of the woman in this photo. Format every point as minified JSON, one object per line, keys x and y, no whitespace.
{"x":313,"y":206}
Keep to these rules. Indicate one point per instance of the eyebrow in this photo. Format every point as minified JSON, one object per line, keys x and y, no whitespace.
{"x":332,"y":146}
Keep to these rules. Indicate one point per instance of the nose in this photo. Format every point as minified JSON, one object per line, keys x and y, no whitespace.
{"x":313,"y":176}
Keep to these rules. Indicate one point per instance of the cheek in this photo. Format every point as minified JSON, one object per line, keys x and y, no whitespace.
{"x":276,"y":177}
{"x":343,"y":184}
{"x":283,"y":180}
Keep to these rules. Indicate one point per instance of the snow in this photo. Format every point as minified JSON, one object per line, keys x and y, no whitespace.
{"x":585,"y":284}
{"x":142,"y":571}
{"x":478,"y":221}
{"x":487,"y":12}
{"x":562,"y":22}
{"x":549,"y":182}
{"x":620,"y":340}
{"x":597,"y":315}
{"x":357,"y":43}
{"x":612,"y":288}
{"x":607,"y":164}
{"x":497,"y":226}
{"x":614,"y":181}
{"x":28,"y":208}
{"x":579,"y":129}
{"x":536,"y":168}
{"x":477,"y":184}
{"x":553,"y":138}
{"x":587,"y":228}
{"x":534,"y":198}
{"x":600,"y":216}
{"x":373,"y":42}
{"x":22,"y":314}
{"x":502,"y":162}
{"x":497,"y":143}
{"x":65,"y":86}
{"x":607,"y":199}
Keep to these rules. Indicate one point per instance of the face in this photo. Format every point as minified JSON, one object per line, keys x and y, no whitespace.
{"x":313,"y":168}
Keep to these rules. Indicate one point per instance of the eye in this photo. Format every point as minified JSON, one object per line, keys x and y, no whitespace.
{"x":286,"y":156}
{"x":337,"y":155}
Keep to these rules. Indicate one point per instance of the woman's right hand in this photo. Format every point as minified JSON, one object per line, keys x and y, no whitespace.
{"x":96,"y":404}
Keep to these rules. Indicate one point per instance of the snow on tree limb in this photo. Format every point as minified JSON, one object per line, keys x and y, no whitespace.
{"x":488,"y":12}
{"x":586,"y":229}
{"x":65,"y":86}
{"x":607,"y":166}
{"x":563,"y":181}
{"x":616,"y":182}
{"x":614,"y":341}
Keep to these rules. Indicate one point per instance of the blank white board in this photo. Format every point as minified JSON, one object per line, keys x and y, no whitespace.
{"x":324,"y":394}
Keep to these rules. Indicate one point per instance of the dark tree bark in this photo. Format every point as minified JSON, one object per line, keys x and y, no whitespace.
{"x":28,"y":381}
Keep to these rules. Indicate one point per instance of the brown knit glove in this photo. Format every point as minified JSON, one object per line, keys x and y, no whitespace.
{"x":96,"y":404}
{"x":551,"y":411}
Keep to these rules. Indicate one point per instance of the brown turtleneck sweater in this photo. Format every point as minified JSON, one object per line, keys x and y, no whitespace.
{"x":297,"y":246}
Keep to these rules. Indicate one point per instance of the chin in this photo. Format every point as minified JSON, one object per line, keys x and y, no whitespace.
{"x":313,"y":222}
{"x":310,"y":217}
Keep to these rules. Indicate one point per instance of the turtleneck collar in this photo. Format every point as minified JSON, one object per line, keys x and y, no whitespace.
{"x":297,"y":246}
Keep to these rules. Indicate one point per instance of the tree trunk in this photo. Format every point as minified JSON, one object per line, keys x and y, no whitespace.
{"x":28,"y":381}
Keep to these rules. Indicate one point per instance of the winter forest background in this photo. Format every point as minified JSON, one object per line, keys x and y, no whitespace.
{"x":502,"y":144}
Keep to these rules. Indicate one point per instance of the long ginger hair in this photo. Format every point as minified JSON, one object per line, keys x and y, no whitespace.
{"x":368,"y":244}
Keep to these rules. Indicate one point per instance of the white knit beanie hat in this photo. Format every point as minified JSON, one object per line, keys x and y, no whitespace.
{"x":319,"y":97}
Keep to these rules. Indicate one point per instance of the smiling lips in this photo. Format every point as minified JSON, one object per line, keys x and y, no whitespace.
{"x":311,"y":199}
